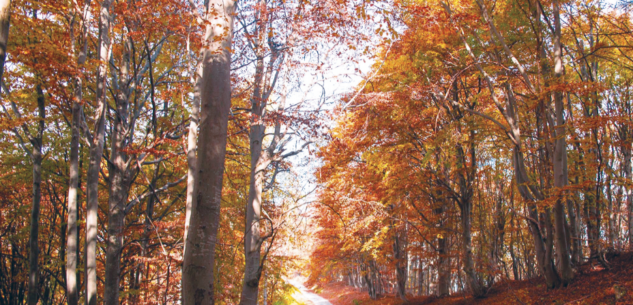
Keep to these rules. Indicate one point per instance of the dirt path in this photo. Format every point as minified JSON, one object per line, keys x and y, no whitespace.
{"x":305,"y":295}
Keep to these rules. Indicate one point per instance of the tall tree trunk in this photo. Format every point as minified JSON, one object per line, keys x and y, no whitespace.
{"x":264,"y":83}
{"x":499,"y":238}
{"x":473,"y":281}
{"x":119,"y":188}
{"x":72,"y":241}
{"x":560,"y":158}
{"x":628,"y":191}
{"x":466,"y":206}
{"x":96,"y":151}
{"x":612,"y":214}
{"x":576,"y":247}
{"x":5,"y":18}
{"x":443,"y":262}
{"x":120,"y":182}
{"x":371,"y":287}
{"x":259,"y":162}
{"x":443,"y":266}
{"x":36,"y":155}
{"x":541,"y":249}
{"x":421,"y":277}
{"x":253,"y":239}
{"x":73,"y":190}
{"x":13,"y":270}
{"x":515,"y":263}
{"x":400,"y":256}
{"x":192,"y":141}
{"x":197,"y":279}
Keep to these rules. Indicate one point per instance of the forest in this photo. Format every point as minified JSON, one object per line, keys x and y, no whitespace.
{"x":291,"y":151}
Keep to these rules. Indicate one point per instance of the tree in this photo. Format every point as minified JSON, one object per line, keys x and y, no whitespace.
{"x":5,"y":21}
{"x":215,"y":96}
{"x":72,"y":240}
{"x":97,"y":141}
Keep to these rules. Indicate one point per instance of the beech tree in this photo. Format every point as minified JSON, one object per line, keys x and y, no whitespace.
{"x":72,"y":247}
{"x":215,"y":99}
{"x":5,"y":22}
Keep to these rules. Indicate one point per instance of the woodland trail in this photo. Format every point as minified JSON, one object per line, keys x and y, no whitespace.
{"x":305,"y":295}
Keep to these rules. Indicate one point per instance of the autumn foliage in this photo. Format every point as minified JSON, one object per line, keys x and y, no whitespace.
{"x":491,"y":142}
{"x":486,"y":154}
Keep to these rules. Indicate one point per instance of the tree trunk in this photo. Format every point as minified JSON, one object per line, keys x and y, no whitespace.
{"x":628,"y":174}
{"x":530,"y":192}
{"x":560,"y":158}
{"x":5,"y":18}
{"x":400,"y":256}
{"x":576,"y":248}
{"x":443,"y":266}
{"x":259,"y":162}
{"x":421,"y":277}
{"x":96,"y":151}
{"x":192,"y":160}
{"x":33,"y":293}
{"x":515,"y":268}
{"x":540,"y":248}
{"x":264,"y":82}
{"x":611,"y":213}
{"x":119,"y":189}
{"x":466,"y":206}
{"x":120,"y":182}
{"x":14,"y":296}
{"x":371,"y":288}
{"x":73,"y":190}
{"x":252,"y":238}
{"x":197,"y":279}
{"x":474,"y":284}
{"x":72,"y":241}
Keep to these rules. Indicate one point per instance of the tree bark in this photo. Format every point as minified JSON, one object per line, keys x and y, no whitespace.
{"x":473,"y":281}
{"x":120,"y":179}
{"x":96,"y":151}
{"x":264,"y":83}
{"x":72,"y":241}
{"x":612,"y":214}
{"x":400,"y":256}
{"x":192,"y":160}
{"x":259,"y":162}
{"x":543,"y":260}
{"x":443,"y":262}
{"x":421,"y":277}
{"x":628,"y":174}
{"x":443,"y":272}
{"x":560,"y":158}
{"x":466,"y":206}
{"x":5,"y":18}
{"x":574,"y":239}
{"x":36,"y":155}
{"x":371,"y":287}
{"x":73,"y":190}
{"x":198,"y":277}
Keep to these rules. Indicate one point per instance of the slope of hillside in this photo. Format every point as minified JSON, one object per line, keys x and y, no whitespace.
{"x":592,"y":285}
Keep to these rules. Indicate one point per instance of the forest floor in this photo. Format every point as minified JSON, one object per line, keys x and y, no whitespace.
{"x":592,"y":285}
